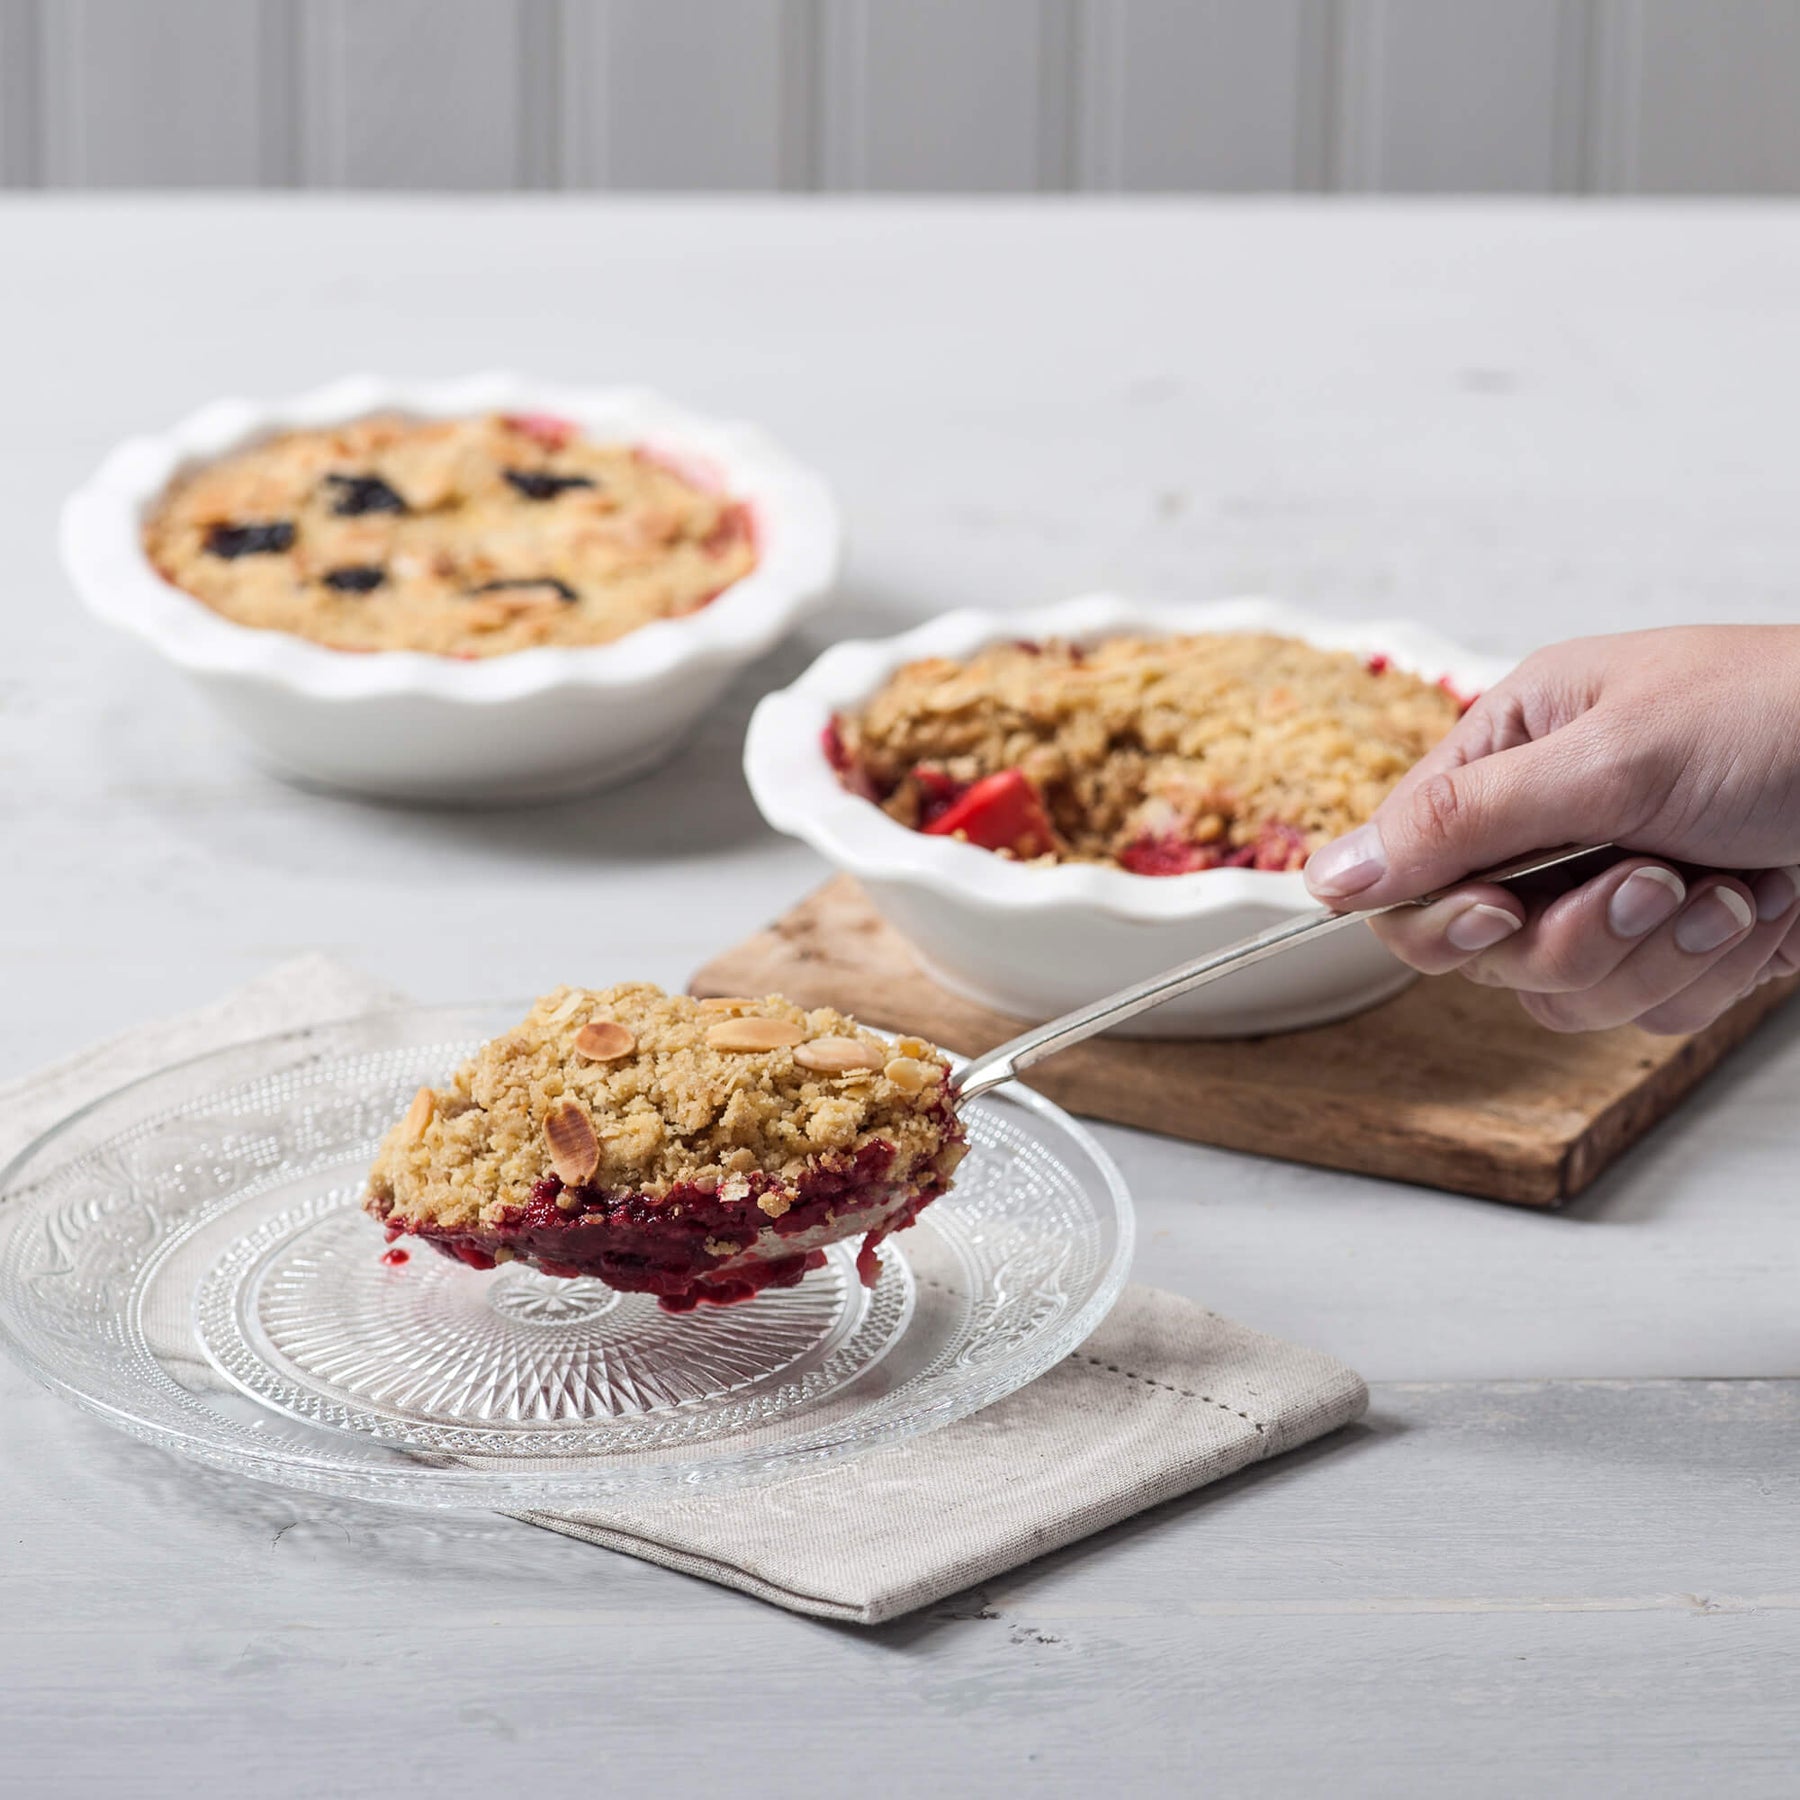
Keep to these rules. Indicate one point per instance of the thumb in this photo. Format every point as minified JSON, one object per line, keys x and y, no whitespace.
{"x":1451,"y":822}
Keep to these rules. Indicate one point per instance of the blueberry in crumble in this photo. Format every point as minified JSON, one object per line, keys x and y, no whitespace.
{"x":560,"y":588}
{"x":356,"y":579}
{"x":360,"y":494}
{"x":232,"y":541}
{"x":539,"y":484}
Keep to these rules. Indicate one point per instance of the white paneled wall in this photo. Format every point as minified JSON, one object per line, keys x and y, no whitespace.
{"x":1212,"y":94}
{"x":1459,"y":99}
{"x":1405,"y":96}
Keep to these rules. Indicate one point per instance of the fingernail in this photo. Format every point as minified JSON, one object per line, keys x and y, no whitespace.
{"x":1775,"y":892}
{"x":1644,"y":899}
{"x":1714,"y":919}
{"x":1480,"y":927}
{"x":1354,"y":862}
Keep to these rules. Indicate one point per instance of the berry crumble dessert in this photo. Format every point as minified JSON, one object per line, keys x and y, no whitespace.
{"x":1161,"y":756}
{"x":462,"y":537}
{"x":695,"y":1150}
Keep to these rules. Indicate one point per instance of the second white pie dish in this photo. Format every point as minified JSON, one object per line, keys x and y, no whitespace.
{"x":1031,"y":941}
{"x":404,"y":725}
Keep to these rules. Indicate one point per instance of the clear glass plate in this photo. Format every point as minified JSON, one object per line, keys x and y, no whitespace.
{"x":187,"y":1258}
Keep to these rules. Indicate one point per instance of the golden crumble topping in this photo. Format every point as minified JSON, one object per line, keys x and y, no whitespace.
{"x":628,"y":1090}
{"x":1160,"y":755}
{"x":463,"y":537}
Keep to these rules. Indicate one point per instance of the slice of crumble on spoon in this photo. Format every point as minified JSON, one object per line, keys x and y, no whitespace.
{"x":695,"y":1150}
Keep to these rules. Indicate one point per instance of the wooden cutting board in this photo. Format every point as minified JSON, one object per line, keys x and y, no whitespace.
{"x":1449,"y":1084}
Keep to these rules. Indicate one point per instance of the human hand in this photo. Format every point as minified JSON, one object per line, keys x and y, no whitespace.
{"x":1683,"y":746}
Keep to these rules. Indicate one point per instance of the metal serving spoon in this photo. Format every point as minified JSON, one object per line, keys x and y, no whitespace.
{"x":1007,"y":1060}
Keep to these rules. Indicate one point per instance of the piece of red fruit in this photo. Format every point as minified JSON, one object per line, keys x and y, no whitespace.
{"x":938,"y":792}
{"x":849,"y":772}
{"x":542,"y":428}
{"x":1169,"y":856}
{"x":1463,"y":701}
{"x":1279,"y":849}
{"x":868,"y":1263}
{"x":999,"y":812}
{"x":1275,"y":848}
{"x":734,"y":523}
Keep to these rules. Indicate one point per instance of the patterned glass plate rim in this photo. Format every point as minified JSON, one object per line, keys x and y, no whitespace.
{"x":115,"y":1226}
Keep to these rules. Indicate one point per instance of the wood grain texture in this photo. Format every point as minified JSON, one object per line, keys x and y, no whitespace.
{"x":1449,"y":1085}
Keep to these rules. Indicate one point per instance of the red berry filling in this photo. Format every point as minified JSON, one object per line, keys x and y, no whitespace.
{"x":734,"y":524}
{"x":868,"y":1264}
{"x":1465,"y":701}
{"x":1274,"y":849}
{"x":998,"y":812}
{"x":543,"y":428}
{"x":660,"y":1246}
{"x":938,"y":792}
{"x":848,"y":771}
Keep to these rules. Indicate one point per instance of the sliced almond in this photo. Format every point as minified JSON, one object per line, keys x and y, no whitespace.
{"x":574,"y":1147}
{"x":754,"y":1034}
{"x":839,"y":1055}
{"x":418,"y":1116}
{"x":910,"y":1075}
{"x":603,"y":1040}
{"x":484,"y":615}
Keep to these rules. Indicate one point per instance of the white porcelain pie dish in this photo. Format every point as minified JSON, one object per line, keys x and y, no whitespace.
{"x":1034,"y":942}
{"x":404,"y":725}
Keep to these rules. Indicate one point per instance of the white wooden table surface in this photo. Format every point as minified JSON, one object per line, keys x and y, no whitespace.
{"x":1564,"y":1552}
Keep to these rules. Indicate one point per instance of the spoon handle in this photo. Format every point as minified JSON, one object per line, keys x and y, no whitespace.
{"x":1007,"y":1060}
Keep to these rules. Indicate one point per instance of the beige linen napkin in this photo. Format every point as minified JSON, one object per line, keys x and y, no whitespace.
{"x":1162,"y":1399}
